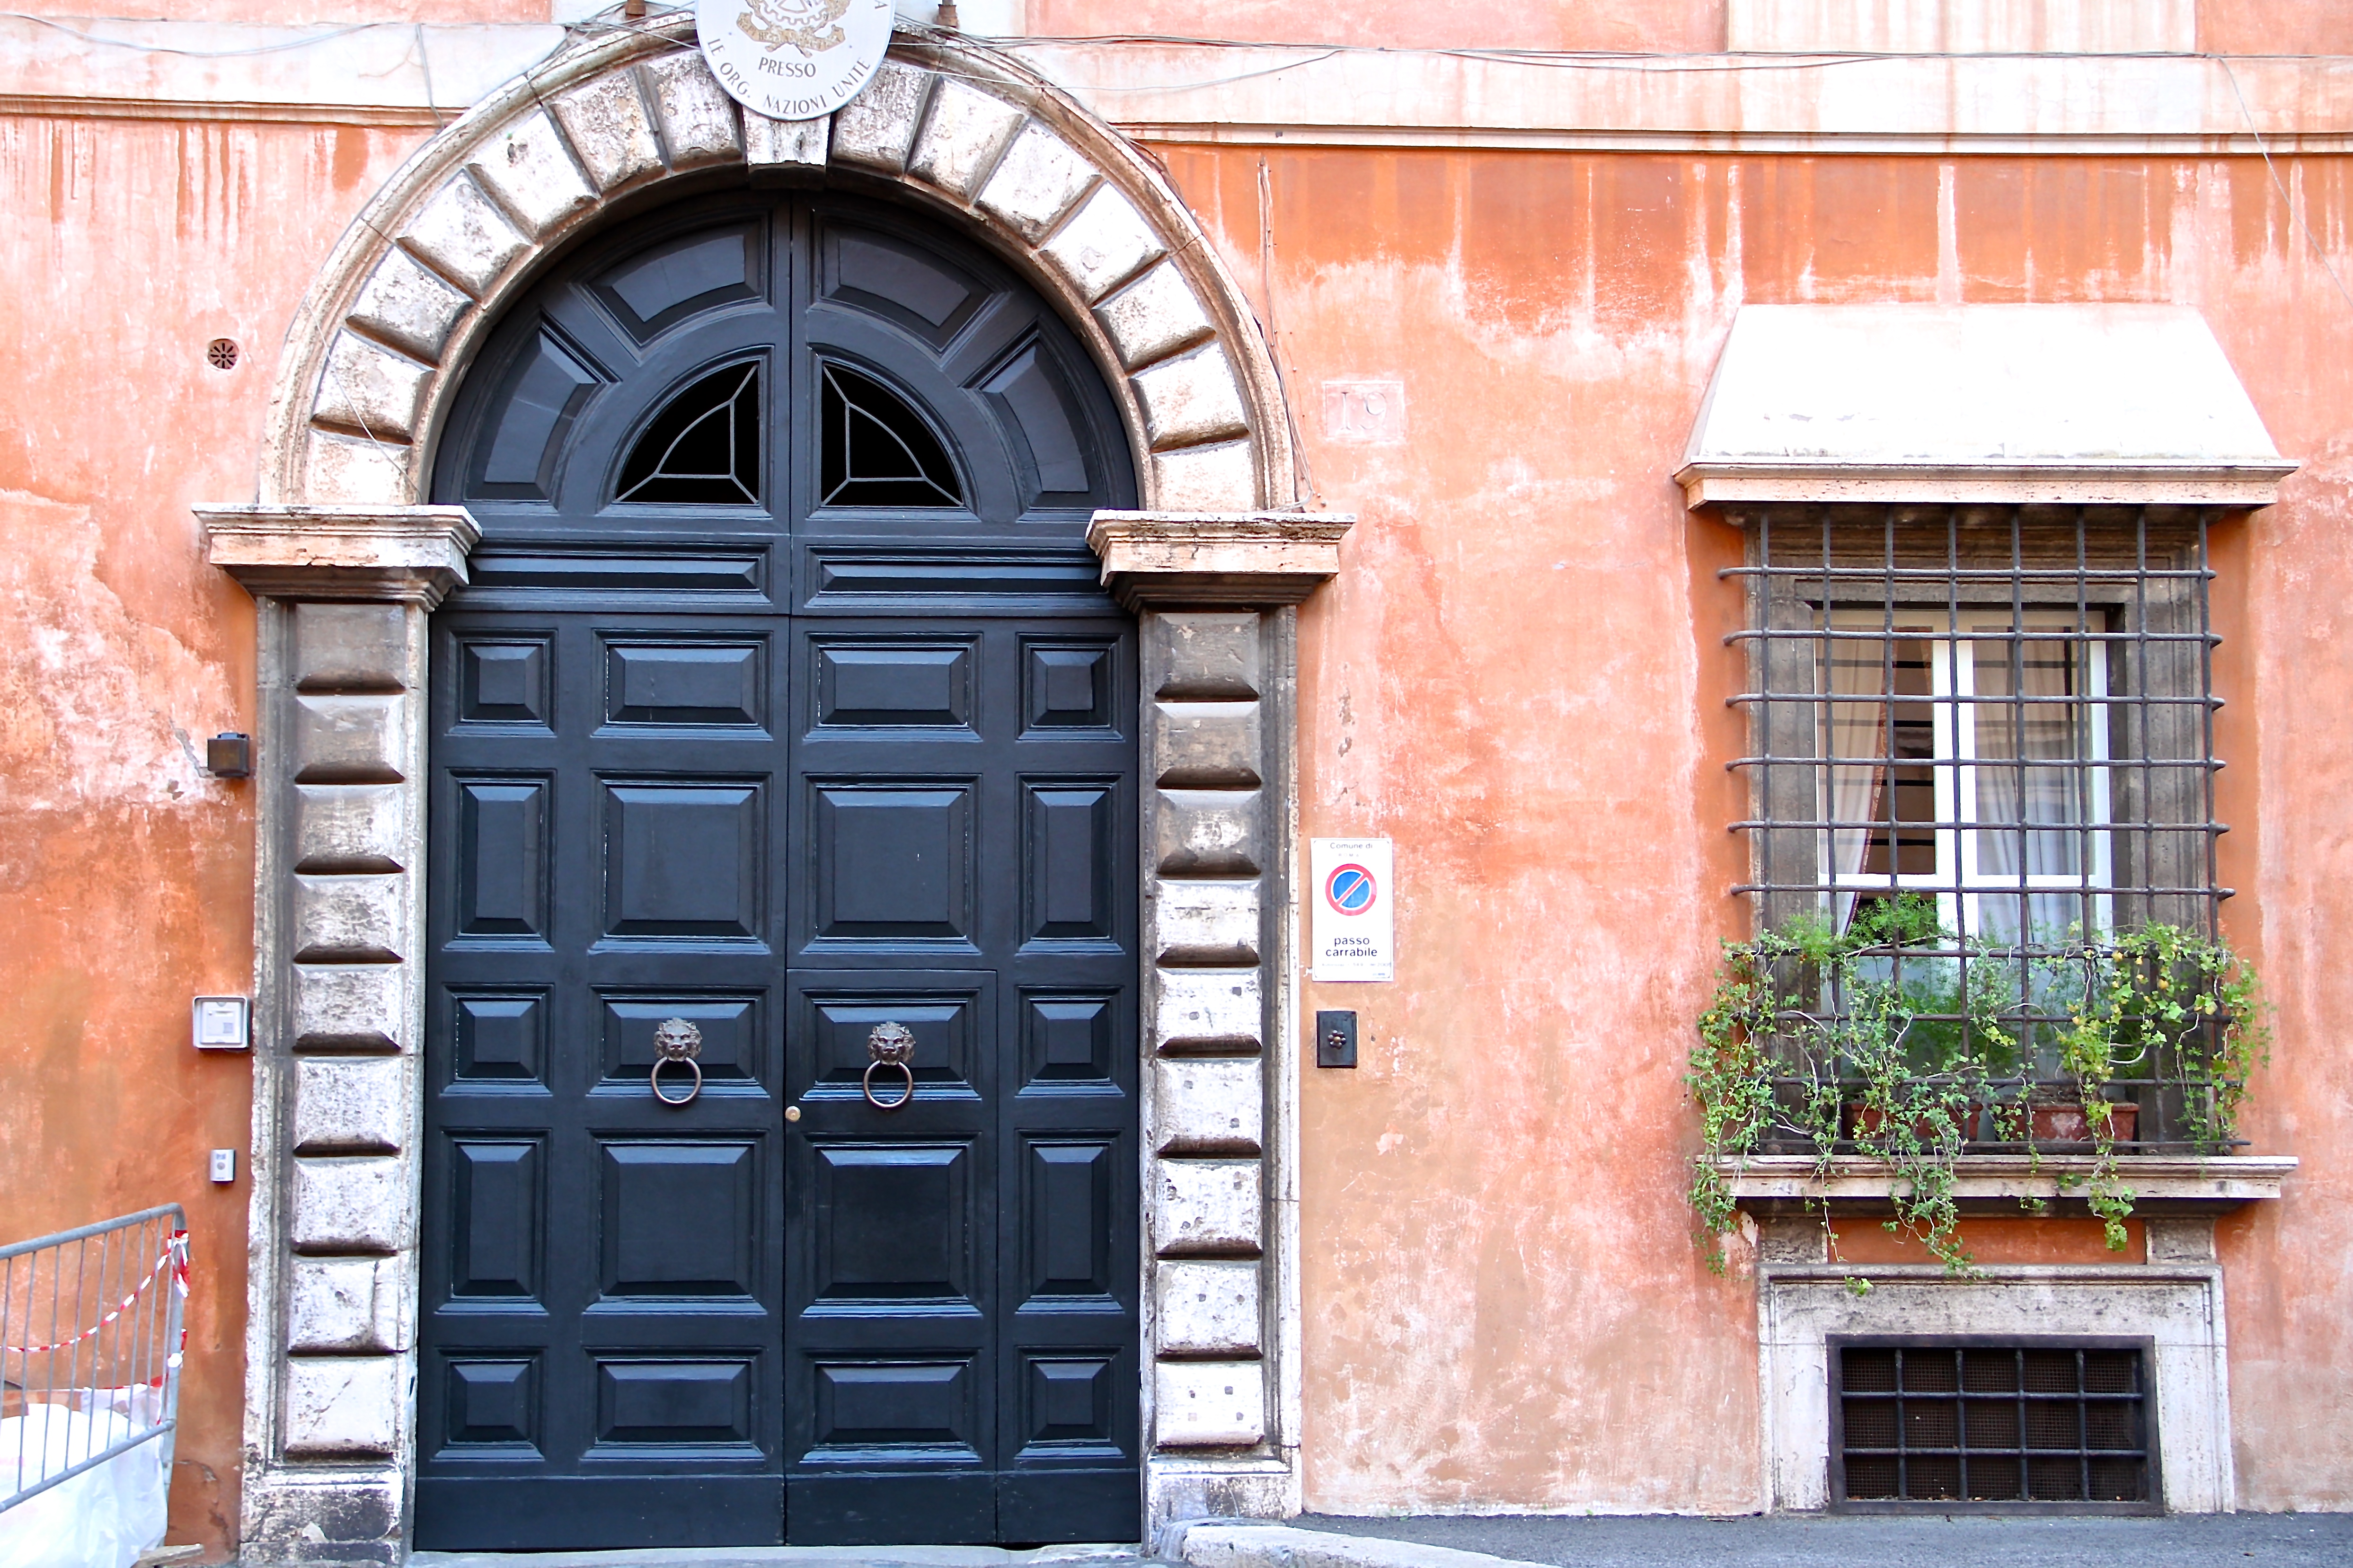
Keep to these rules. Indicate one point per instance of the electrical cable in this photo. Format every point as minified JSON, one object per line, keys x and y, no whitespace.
{"x":2294,"y":216}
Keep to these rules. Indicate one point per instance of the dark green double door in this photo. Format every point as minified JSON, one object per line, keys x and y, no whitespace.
{"x":781,"y":705}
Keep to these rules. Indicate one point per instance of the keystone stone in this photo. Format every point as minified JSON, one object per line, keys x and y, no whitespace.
{"x":525,"y":167}
{"x":1190,"y":400}
{"x":698,"y":118}
{"x":606,"y":122}
{"x":370,"y":389}
{"x":405,"y":302}
{"x":1036,"y":183}
{"x":1106,"y":243}
{"x":461,"y":232}
{"x":876,"y":128}
{"x":962,"y":137}
{"x":1154,"y":317}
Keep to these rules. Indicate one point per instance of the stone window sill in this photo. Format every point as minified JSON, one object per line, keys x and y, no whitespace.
{"x":1771,"y":1184}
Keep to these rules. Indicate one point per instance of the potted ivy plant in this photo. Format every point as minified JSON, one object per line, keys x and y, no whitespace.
{"x":1900,"y":1041}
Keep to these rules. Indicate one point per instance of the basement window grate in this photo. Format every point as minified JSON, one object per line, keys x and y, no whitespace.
{"x":2035,"y":1425}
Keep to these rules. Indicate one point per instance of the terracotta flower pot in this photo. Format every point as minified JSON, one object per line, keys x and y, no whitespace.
{"x":2065,"y":1122}
{"x":1861,"y":1120}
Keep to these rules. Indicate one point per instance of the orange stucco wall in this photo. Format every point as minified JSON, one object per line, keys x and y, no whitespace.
{"x":126,"y":872}
{"x":1519,"y":677}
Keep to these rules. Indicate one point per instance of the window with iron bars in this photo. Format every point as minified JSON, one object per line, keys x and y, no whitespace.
{"x":2005,"y":713}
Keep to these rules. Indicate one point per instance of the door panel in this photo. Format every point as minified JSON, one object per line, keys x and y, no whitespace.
{"x":786,"y":773}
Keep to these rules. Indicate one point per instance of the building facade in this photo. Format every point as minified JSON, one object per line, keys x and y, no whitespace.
{"x":796,"y":669}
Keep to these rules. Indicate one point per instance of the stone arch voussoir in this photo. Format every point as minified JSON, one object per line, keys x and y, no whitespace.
{"x":411,"y":288}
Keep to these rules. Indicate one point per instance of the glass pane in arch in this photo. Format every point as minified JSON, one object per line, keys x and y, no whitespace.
{"x":703,"y":447}
{"x":877,"y":450}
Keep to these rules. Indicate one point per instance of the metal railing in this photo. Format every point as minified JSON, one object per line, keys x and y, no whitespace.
{"x":90,"y":1344}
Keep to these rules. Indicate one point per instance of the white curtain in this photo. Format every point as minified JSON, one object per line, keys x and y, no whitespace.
{"x":2011,"y":789}
{"x":1857,"y":731}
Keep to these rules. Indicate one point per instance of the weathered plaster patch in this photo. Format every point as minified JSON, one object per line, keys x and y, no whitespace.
{"x":94,"y":705}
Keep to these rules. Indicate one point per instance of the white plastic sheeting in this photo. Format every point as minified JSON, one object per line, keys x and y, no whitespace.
{"x":104,"y":1518}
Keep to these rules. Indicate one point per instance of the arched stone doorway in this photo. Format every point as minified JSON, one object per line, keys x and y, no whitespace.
{"x":783,"y":701}
{"x":347,"y":559}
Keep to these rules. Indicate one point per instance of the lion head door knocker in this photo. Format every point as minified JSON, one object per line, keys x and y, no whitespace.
{"x":676,"y":1040}
{"x":891,"y":1045}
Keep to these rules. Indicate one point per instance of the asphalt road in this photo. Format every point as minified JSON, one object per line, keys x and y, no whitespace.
{"x":2214,"y":1540}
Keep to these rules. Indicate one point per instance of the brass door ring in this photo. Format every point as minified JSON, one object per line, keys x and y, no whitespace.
{"x":866,"y":1085}
{"x":891,"y":1044}
{"x":676,"y":1040}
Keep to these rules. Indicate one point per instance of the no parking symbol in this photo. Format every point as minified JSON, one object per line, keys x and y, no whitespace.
{"x":1354,"y":933}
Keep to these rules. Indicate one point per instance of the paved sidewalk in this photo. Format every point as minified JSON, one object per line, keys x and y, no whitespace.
{"x":2214,"y":1540}
{"x":795,"y":1557}
{"x":2231,"y":1541}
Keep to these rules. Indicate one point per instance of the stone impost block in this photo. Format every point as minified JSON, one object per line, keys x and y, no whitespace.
{"x":1206,"y":1309}
{"x":370,"y":389}
{"x":1207,"y":832}
{"x":1206,"y":745}
{"x":1040,"y":178}
{"x":407,"y":304}
{"x":350,"y":1104}
{"x":608,"y":125}
{"x":350,"y":919}
{"x":1204,"y":923}
{"x":1206,"y":479}
{"x":783,"y":144}
{"x":1207,"y":1208}
{"x":698,"y":118}
{"x":359,"y":1205}
{"x":876,"y":128}
{"x":350,"y":470}
{"x":1105,"y":244}
{"x":1155,"y":316}
{"x":351,"y":647}
{"x":349,"y":827}
{"x":962,"y":137}
{"x":1207,"y":1010}
{"x":1207,"y":1104}
{"x":1203,"y":654}
{"x":1197,"y":560}
{"x":1191,"y":399}
{"x":464,"y":234}
{"x":1209,"y":1405}
{"x":343,"y":1305}
{"x":351,"y":1007}
{"x":527,"y":170}
{"x":343,"y":1406}
{"x":360,"y":739}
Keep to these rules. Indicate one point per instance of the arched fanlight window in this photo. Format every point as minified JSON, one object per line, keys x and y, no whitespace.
{"x":703,"y":448}
{"x":878,"y":452}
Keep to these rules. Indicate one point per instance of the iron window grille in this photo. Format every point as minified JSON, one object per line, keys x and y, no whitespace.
{"x":2007,"y":712}
{"x":1964,"y":1425}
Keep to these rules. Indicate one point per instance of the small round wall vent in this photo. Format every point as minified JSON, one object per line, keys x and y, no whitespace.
{"x":221,"y":353}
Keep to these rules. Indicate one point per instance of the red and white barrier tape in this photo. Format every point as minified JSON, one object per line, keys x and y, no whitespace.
{"x":175,"y":1259}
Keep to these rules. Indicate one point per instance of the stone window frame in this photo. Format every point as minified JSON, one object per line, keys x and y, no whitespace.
{"x":2174,"y":1300}
{"x":346,"y":564}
